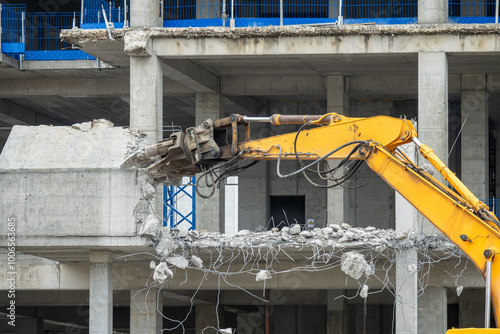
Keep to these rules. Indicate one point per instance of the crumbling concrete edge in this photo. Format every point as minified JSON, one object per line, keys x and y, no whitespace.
{"x":136,"y":39}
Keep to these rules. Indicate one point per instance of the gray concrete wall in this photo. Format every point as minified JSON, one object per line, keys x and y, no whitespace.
{"x":60,"y":181}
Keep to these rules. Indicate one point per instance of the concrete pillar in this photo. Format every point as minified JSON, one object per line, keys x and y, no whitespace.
{"x":101,"y":292}
{"x":145,"y":308}
{"x":29,"y":326}
{"x":474,"y":138}
{"x":433,"y":109}
{"x":432,"y":314}
{"x":336,"y":312}
{"x":146,"y":13}
{"x":206,"y":318}
{"x":209,"y":211}
{"x":146,"y":96}
{"x":432,"y":11}
{"x":337,"y":101}
{"x":406,"y":263}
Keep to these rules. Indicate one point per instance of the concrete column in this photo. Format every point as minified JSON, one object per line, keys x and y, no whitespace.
{"x":406,"y":263}
{"x":474,"y":138}
{"x":432,"y":11}
{"x":146,"y":13}
{"x":101,"y":292}
{"x":210,"y":211}
{"x":335,"y":317}
{"x":29,"y":326}
{"x":432,"y":314}
{"x":337,"y":101}
{"x":146,"y":96}
{"x":433,"y":109}
{"x":206,"y":316}
{"x":145,"y":308}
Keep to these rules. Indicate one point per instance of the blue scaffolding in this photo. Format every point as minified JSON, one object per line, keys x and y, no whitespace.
{"x":173,"y":216}
{"x":13,"y":30}
{"x":42,"y":37}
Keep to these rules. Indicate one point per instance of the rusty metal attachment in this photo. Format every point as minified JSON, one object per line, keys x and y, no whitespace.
{"x":174,"y":162}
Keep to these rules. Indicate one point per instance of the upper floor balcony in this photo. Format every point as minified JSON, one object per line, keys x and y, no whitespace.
{"x":35,"y":36}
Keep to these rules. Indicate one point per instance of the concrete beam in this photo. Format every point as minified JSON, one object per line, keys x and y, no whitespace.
{"x":83,"y":64}
{"x":78,"y":87}
{"x":14,"y":114}
{"x":243,"y":105}
{"x":191,"y":75}
{"x":273,"y":85}
{"x":360,"y":86}
{"x":75,"y":276}
{"x":324,"y":45}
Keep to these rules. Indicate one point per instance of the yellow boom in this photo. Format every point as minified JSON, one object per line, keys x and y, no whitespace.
{"x":457,"y":213}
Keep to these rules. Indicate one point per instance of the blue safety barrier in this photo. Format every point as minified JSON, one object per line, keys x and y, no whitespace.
{"x":13,"y":29}
{"x":173,"y":215}
{"x":470,"y":11}
{"x":92,"y":12}
{"x":200,"y":13}
{"x":43,"y":30}
{"x":267,"y":12}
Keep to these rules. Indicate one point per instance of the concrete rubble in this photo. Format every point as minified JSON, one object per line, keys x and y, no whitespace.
{"x":177,"y":248}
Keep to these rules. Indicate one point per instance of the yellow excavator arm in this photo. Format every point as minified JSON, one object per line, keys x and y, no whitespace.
{"x":456,"y":212}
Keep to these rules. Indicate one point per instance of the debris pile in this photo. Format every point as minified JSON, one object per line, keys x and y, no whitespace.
{"x":335,"y":245}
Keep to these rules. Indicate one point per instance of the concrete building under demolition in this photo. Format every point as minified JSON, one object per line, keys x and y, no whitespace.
{"x":84,"y":249}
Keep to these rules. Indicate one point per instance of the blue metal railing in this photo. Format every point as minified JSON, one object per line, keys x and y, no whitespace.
{"x":374,"y":9}
{"x":43,"y":40}
{"x":264,"y":12}
{"x":13,"y":28}
{"x":173,"y":214}
{"x":93,"y":17}
{"x":472,"y":11}
{"x":43,"y":30}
